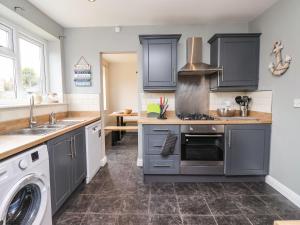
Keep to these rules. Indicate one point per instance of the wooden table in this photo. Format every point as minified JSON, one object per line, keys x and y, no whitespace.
{"x":287,"y":222}
{"x":120,"y":122}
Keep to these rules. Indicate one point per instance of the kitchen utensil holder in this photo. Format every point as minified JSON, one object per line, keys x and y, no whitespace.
{"x":162,"y":116}
{"x":244,"y":111}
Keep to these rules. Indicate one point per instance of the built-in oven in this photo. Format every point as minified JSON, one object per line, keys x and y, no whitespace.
{"x":202,"y":149}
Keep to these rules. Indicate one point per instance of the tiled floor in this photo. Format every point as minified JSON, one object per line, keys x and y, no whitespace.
{"x":118,"y":196}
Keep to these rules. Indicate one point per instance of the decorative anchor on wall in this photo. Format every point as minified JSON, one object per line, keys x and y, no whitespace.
{"x":279,"y":68}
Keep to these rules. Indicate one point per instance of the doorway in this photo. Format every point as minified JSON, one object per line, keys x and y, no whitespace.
{"x":119,"y":98}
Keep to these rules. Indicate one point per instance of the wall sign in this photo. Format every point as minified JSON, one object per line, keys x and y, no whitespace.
{"x":82,"y":73}
{"x":279,"y":67}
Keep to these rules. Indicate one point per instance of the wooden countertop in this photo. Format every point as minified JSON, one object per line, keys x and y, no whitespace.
{"x":287,"y":222}
{"x":254,"y":118}
{"x":13,"y":144}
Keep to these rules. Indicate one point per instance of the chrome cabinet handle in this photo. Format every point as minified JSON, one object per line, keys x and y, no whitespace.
{"x":161,"y":166}
{"x":229,"y":139}
{"x":204,"y":135}
{"x":71,"y":149}
{"x":174,"y":75}
{"x":156,"y":146}
{"x":74,"y":147}
{"x":161,"y":130}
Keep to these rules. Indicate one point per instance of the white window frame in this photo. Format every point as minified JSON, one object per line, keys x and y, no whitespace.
{"x":13,"y":52}
{"x":43,"y":73}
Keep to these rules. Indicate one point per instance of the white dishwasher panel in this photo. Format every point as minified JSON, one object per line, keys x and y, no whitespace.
{"x":93,"y":149}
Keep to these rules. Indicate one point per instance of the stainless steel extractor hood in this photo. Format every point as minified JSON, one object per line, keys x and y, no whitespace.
{"x":194,"y":65}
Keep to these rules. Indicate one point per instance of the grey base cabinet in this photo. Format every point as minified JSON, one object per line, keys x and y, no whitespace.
{"x":247,"y":149}
{"x":159,"y":62}
{"x":154,"y":137}
{"x":238,"y":55}
{"x":67,"y":159}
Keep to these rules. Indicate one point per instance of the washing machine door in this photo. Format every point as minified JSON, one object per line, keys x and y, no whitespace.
{"x":26,"y":202}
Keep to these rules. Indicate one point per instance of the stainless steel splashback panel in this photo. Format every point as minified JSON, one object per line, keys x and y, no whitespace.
{"x":192,"y":95}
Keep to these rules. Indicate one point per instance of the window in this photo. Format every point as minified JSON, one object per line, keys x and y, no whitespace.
{"x":5,"y":37}
{"x":31,"y":66}
{"x":22,"y":65}
{"x":104,"y":84}
{"x":7,"y":78}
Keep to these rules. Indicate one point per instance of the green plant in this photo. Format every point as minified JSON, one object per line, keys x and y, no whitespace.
{"x":29,"y":77}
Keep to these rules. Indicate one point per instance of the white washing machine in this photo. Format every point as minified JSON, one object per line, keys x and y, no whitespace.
{"x":25,"y":189}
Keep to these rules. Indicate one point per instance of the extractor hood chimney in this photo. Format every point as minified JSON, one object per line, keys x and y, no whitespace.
{"x":194,"y":65}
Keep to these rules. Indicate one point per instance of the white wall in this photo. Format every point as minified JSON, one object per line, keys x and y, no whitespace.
{"x":123,"y":86}
{"x":281,"y":22}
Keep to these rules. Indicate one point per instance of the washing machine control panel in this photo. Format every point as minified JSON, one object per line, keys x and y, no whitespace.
{"x":23,"y":164}
{"x":34,"y":156}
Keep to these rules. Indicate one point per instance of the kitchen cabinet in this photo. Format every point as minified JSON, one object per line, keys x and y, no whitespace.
{"x":159,"y":62}
{"x":67,"y":160}
{"x":238,"y":55}
{"x":247,"y":149}
{"x":154,"y":137}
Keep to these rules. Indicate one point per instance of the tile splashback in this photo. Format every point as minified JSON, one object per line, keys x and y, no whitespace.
{"x":261,"y":100}
{"x":83,"y":102}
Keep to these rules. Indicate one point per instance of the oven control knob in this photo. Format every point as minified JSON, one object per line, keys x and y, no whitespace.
{"x":214,"y":128}
{"x":23,"y":164}
{"x":191,"y":128}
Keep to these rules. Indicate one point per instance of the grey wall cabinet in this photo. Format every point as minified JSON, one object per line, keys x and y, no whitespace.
{"x":247,"y":149}
{"x":238,"y":54}
{"x":67,"y":159}
{"x":159,"y":62}
{"x":154,"y":137}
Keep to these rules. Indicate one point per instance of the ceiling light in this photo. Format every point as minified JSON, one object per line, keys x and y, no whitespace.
{"x":91,"y":0}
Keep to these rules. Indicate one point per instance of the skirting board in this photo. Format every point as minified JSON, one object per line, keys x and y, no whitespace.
{"x":284,"y":190}
{"x":103,"y":161}
{"x":139,"y":162}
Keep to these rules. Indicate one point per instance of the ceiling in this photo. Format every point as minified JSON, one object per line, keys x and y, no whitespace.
{"x":82,"y":13}
{"x":120,"y":57}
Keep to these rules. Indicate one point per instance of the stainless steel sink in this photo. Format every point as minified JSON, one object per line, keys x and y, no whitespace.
{"x":44,"y":128}
{"x":31,"y":131}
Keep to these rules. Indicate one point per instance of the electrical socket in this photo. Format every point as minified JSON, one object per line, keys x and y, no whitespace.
{"x":297,"y":103}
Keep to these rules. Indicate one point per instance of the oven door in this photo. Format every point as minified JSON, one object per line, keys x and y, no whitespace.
{"x":202,"y":154}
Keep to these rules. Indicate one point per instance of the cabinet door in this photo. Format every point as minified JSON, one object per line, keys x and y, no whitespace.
{"x":160,"y":66}
{"x":240,"y":60}
{"x":79,"y":160}
{"x":247,"y":149}
{"x":60,"y":170}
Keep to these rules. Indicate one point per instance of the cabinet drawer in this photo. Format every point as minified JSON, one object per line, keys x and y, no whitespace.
{"x":161,"y":129}
{"x":156,"y":164}
{"x":153,"y":144}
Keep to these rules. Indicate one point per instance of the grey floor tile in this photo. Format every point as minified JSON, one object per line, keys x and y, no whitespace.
{"x":186,"y":188}
{"x":91,"y":188}
{"x":199,"y":220}
{"x":235,"y":189}
{"x":165,"y":220}
{"x":232,"y":220}
{"x":279,"y":204}
{"x":99,"y":219}
{"x":70,"y":218}
{"x":103,"y":204}
{"x":261,"y":188}
{"x":133,"y":219}
{"x":137,"y":188}
{"x":222,"y":205}
{"x":251,"y":205}
{"x":163,"y":204}
{"x":192,"y":205}
{"x":263,"y":219}
{"x":135,"y":204}
{"x":79,"y":203}
{"x":162,"y":188}
{"x":210,"y":189}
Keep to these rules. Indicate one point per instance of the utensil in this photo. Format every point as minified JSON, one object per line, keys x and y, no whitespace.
{"x":226,"y":112}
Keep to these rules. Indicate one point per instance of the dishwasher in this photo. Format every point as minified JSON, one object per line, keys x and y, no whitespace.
{"x":93,"y":149}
